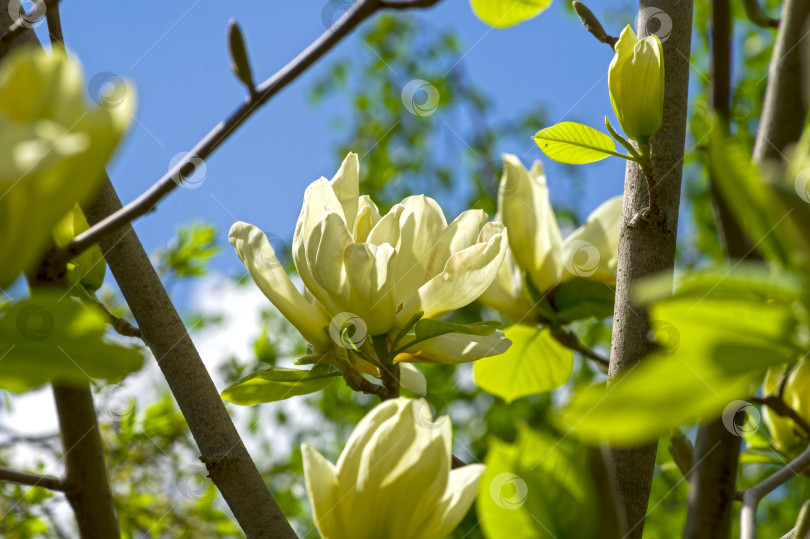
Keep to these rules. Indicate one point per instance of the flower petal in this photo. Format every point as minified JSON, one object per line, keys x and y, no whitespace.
{"x":467,"y":274}
{"x":324,"y":256}
{"x":369,"y":269}
{"x":321,"y":482}
{"x":592,"y":249}
{"x":506,"y":293}
{"x":367,"y":216}
{"x":454,"y":348}
{"x":534,"y":238}
{"x":458,"y":235}
{"x":412,"y":379}
{"x":269,"y":275}
{"x":346,"y":186}
{"x":459,"y":497}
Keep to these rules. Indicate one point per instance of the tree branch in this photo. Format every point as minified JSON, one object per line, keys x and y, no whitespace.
{"x":755,"y":14}
{"x":752,"y":496}
{"x":120,"y":325}
{"x":645,"y":249}
{"x":85,"y":484}
{"x":31,"y":480}
{"x":714,"y":475}
{"x":784,"y":110}
{"x":145,"y":203}
{"x":20,"y":28}
{"x":780,"y":407}
{"x":570,"y":340}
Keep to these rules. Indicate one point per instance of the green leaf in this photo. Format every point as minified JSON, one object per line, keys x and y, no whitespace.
{"x":756,"y":209}
{"x":716,"y":347}
{"x":538,"y":488}
{"x":276,"y":384}
{"x":504,"y":13}
{"x":89,"y":268}
{"x":427,"y":328}
{"x":51,"y":338}
{"x":582,"y":298}
{"x":535,"y":363}
{"x":575,"y":144}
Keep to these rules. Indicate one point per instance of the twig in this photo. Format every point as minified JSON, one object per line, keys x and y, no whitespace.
{"x":780,"y":407}
{"x":755,"y":14}
{"x":21,"y":25}
{"x":592,"y":25}
{"x":753,"y":495}
{"x":570,"y":340}
{"x":32,"y":480}
{"x":145,"y":203}
{"x":120,"y":325}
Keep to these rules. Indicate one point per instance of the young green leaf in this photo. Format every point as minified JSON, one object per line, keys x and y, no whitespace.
{"x":48,"y":338}
{"x":576,"y":144}
{"x":540,"y":487}
{"x":535,"y":363}
{"x":715,"y":345}
{"x":504,"y":13}
{"x":276,"y":384}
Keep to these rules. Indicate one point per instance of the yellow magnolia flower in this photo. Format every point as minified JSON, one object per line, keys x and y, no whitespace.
{"x":53,"y":148}
{"x":373,"y":273}
{"x":536,"y":246}
{"x":393,"y":479}
{"x":636,"y":83}
{"x":788,"y":436}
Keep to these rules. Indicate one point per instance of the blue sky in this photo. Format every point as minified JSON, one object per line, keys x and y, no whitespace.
{"x":175,"y":54}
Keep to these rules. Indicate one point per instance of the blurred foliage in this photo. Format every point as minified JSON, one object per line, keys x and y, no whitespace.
{"x":189,"y":253}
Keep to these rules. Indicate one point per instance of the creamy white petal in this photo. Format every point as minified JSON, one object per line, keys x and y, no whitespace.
{"x":454,"y":348}
{"x":369,"y":270}
{"x":324,"y":255}
{"x":346,"y":186}
{"x":319,"y":199}
{"x":367,"y":217}
{"x":320,"y":478}
{"x":466,"y":276}
{"x":523,"y":203}
{"x":592,"y":249}
{"x":386,"y":230}
{"x":459,"y":497}
{"x":270,"y":276}
{"x":506,"y":294}
{"x":412,"y":379}
{"x":458,"y":235}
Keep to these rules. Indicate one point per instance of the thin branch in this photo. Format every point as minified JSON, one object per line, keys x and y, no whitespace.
{"x":780,"y":407}
{"x":31,"y":480}
{"x":753,"y":495}
{"x":145,"y":203}
{"x":570,"y":340}
{"x":757,"y":16}
{"x":592,"y":25}
{"x":22,"y":24}
{"x":120,"y":325}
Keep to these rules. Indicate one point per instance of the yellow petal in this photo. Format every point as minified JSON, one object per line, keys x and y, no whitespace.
{"x":369,"y":270}
{"x":411,"y":379}
{"x":535,"y":240}
{"x":269,"y":275}
{"x":320,"y":478}
{"x":592,"y":249}
{"x":324,"y":255}
{"x":454,"y":348}
{"x":367,"y":216}
{"x":346,"y":185}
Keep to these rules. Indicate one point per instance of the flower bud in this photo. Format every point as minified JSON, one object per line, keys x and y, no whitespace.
{"x":636,"y":82}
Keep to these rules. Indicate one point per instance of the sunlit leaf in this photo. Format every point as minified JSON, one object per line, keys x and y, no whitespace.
{"x":504,"y":13}
{"x":535,"y":363}
{"x":538,"y":488}
{"x":716,"y":345}
{"x":50,"y":338}
{"x":277,"y":383}
{"x":89,"y":268}
{"x":575,"y":144}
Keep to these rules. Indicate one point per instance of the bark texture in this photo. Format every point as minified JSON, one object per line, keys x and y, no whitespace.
{"x":221,"y":448}
{"x":646,"y":250}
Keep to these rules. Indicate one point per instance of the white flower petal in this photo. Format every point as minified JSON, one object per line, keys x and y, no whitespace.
{"x":367,"y":217}
{"x":454,"y":348}
{"x":534,"y":237}
{"x":369,"y":270}
{"x":598,"y":240}
{"x":324,"y":256}
{"x":459,"y":497}
{"x":458,"y":235}
{"x":320,"y":478}
{"x":270,"y":276}
{"x":346,"y":186}
{"x":412,"y":379}
{"x":466,"y":276}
